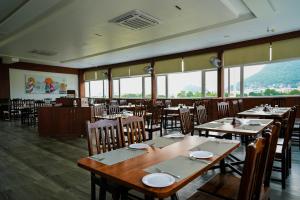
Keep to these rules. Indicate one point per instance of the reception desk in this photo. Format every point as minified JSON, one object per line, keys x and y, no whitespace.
{"x":63,"y":121}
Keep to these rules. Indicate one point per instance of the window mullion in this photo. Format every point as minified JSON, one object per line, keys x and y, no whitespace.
{"x":242,"y":81}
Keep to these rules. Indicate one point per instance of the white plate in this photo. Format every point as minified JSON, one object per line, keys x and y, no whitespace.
{"x":201,"y":154}
{"x":139,"y":146}
{"x":158,"y":180}
{"x":174,"y":135}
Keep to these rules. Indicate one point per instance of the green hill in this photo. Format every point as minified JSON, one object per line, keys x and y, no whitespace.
{"x":276,"y":75}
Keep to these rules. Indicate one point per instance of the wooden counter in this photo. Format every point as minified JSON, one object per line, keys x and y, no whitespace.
{"x":63,"y":121}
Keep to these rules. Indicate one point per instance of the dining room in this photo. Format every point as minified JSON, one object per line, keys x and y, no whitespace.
{"x":139,"y":99}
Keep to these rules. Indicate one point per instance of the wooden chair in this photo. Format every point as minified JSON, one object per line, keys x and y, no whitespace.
{"x":223,"y":109}
{"x":228,"y":186}
{"x":155,"y":121}
{"x":113,"y":109}
{"x":235,"y":107}
{"x":265,"y":190}
{"x":97,"y":111}
{"x":201,"y":118}
{"x":278,"y":101}
{"x":241,"y":105}
{"x":296,"y":128}
{"x":134,"y":128}
{"x":283,"y":151}
{"x":139,"y":111}
{"x":186,"y":121}
{"x":103,"y":136}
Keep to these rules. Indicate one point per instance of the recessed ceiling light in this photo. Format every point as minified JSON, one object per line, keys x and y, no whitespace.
{"x":226,"y":36}
{"x":270,"y":30}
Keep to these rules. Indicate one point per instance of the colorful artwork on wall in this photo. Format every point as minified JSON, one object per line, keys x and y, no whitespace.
{"x":37,"y":84}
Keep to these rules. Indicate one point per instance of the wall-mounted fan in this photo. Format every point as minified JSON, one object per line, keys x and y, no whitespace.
{"x":105,"y":74}
{"x":148,"y":69}
{"x":216,"y":62}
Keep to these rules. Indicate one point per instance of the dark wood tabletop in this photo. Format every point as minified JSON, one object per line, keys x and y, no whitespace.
{"x":130,"y":172}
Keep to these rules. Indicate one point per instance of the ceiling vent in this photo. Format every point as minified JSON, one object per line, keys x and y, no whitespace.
{"x":43,"y":52}
{"x":135,"y":20}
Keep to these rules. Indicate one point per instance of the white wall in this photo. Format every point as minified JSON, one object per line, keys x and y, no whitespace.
{"x":17,"y":83}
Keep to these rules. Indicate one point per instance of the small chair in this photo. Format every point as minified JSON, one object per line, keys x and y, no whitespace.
{"x":113,"y":109}
{"x":283,"y":151}
{"x":201,"y":118}
{"x":134,"y":127}
{"x":223,"y":109}
{"x":241,"y":105}
{"x":296,"y":129}
{"x":227,"y":186}
{"x":235,"y":107}
{"x":155,"y":121}
{"x":265,"y":190}
{"x":103,"y":136}
{"x":186,"y":121}
{"x":97,"y":111}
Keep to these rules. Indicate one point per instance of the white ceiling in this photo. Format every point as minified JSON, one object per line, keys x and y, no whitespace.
{"x":68,"y":28}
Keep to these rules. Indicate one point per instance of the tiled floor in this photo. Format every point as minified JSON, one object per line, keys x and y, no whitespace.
{"x":42,"y":168}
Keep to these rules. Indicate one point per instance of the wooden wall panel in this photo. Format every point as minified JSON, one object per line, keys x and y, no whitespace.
{"x":4,"y":82}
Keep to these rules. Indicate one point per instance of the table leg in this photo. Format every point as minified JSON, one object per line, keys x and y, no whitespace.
{"x":93,"y":188}
{"x":222,"y":166}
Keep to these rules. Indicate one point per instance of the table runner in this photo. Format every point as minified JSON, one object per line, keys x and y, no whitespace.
{"x":116,"y":156}
{"x":162,"y":142}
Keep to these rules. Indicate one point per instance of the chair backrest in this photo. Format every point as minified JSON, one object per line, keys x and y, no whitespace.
{"x":201,"y":115}
{"x":275,"y":129}
{"x":254,"y":162}
{"x":104,"y":135}
{"x":113,"y":109}
{"x":139,"y":111}
{"x":98,"y":110}
{"x":241,"y":105}
{"x":168,"y":103}
{"x":289,"y":128}
{"x":235,"y":107}
{"x":135,"y":129}
{"x":186,"y":121}
{"x":278,"y":101}
{"x":223,"y":109}
{"x":156,"y":116}
{"x":123,"y":102}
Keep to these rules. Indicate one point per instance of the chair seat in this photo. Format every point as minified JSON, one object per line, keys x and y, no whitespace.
{"x":222,"y":185}
{"x":203,"y":196}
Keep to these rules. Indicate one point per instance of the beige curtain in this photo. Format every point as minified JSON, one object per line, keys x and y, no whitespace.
{"x":89,"y":75}
{"x":137,"y":70}
{"x":247,"y":55}
{"x":198,"y":62}
{"x":168,"y":66}
{"x":286,"y":49}
{"x":120,"y":72}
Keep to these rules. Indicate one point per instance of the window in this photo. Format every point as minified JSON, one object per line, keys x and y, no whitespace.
{"x":184,"y":85}
{"x":96,"y":88}
{"x":161,"y":87}
{"x":105,"y":87}
{"x":274,"y":79}
{"x":211,"y":83}
{"x":116,"y":88}
{"x":147,"y":87}
{"x":232,"y":78}
{"x":87,"y":89}
{"x":131,"y":87}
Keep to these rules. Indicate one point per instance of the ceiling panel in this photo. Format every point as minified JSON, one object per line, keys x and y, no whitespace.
{"x":80,"y":34}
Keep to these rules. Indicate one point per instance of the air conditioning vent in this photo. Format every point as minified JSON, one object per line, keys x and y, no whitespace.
{"x":43,"y":52}
{"x":135,"y":20}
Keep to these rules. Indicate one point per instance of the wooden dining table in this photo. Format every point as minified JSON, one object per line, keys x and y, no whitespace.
{"x":242,"y":126}
{"x":129,"y":173}
{"x":237,"y":126}
{"x":278,"y":113}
